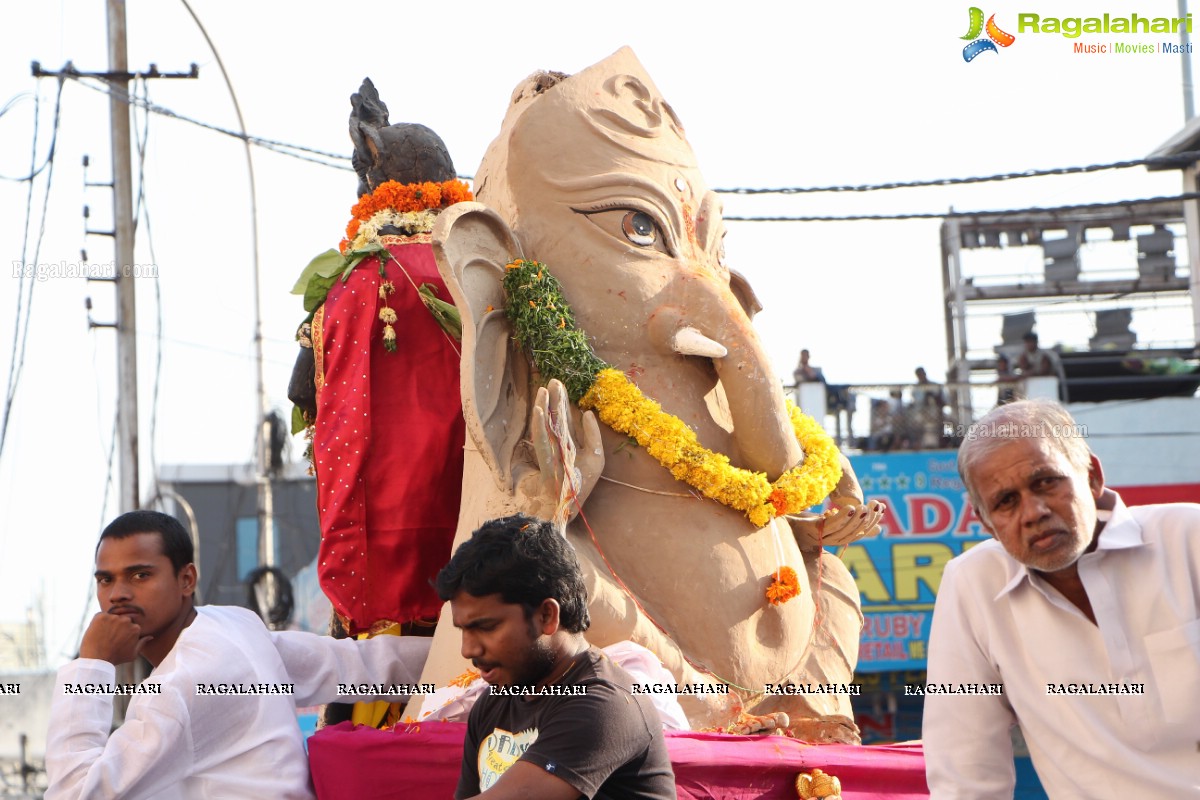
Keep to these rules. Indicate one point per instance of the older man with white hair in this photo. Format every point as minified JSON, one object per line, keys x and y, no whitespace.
{"x":1086,"y":611}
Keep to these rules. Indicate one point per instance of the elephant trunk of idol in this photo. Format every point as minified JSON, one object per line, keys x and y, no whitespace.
{"x":761,"y":428}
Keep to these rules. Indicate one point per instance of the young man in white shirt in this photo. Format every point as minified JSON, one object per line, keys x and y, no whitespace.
{"x":217,"y":716}
{"x":1085,"y":611}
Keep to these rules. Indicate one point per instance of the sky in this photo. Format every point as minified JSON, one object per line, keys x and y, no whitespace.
{"x":771,"y":95}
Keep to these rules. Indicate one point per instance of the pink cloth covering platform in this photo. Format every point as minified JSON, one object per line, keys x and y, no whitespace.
{"x":423,"y":761}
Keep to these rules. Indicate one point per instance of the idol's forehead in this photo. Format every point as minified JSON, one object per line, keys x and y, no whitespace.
{"x":596,"y":128}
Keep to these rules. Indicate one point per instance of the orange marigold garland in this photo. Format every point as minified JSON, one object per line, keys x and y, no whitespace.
{"x":785,"y":585}
{"x":402,"y":198}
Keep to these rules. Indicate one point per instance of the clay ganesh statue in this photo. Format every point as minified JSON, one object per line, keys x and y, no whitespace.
{"x":591,"y":181}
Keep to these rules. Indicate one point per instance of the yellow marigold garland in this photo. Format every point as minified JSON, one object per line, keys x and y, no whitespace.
{"x":547,"y":326}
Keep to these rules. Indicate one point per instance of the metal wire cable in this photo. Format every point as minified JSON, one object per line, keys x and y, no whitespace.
{"x":283,"y":148}
{"x":142,"y":212}
{"x":25,"y":298}
{"x":962,"y":214}
{"x":54,"y":138}
{"x":1176,"y":161}
{"x":295,"y":151}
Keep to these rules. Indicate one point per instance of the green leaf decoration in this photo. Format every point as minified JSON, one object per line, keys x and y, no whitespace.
{"x":354,"y":257}
{"x":444,"y":313}
{"x":299,"y":423}
{"x":544,"y":324}
{"x":328,"y":263}
{"x":314,"y":294}
{"x":323,"y":271}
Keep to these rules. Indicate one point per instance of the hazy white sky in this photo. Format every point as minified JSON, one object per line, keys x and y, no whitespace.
{"x":772,"y":94}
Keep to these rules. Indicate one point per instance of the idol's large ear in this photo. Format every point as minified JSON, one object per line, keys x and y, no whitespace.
{"x":473,"y":245}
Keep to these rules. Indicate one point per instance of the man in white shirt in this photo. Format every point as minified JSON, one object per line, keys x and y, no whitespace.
{"x":217,"y":716}
{"x":1086,"y":611}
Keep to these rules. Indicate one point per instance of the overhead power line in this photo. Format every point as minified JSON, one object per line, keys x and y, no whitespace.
{"x":1178,"y":160}
{"x":961,"y":214}
{"x":296,"y":151}
{"x":12,"y":101}
{"x":284,"y":148}
{"x":25,"y":295}
{"x":34,"y":170}
{"x":142,"y":213}
{"x":323,"y":157}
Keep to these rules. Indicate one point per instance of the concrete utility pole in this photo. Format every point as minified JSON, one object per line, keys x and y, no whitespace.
{"x":123,"y":235}
{"x":124,"y":231}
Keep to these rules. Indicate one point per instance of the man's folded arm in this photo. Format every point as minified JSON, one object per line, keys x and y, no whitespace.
{"x":318,"y":664}
{"x":150,"y":752}
{"x":967,"y":743}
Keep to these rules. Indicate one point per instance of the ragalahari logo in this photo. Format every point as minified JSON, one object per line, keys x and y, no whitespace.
{"x":995,"y":36}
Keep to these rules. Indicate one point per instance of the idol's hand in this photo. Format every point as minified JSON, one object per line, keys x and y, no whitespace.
{"x":848,"y":520}
{"x":564,"y":474}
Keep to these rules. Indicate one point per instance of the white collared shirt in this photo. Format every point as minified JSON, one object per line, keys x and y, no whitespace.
{"x":997,"y":622}
{"x":181,"y":744}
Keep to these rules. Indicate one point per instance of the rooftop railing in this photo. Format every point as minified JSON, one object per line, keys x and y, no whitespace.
{"x":884,"y":417}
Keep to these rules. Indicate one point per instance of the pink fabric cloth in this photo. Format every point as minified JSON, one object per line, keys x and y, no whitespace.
{"x":423,"y":760}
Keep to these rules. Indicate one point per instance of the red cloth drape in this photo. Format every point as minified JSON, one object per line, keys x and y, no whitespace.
{"x":360,"y":763}
{"x":388,"y":443}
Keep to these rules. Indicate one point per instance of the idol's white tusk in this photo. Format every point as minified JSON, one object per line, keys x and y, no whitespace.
{"x":691,"y":342}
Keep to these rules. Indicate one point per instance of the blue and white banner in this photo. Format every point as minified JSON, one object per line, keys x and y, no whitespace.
{"x":928,"y":521}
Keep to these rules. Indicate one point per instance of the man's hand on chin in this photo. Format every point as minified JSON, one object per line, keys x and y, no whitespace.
{"x":114,"y":638}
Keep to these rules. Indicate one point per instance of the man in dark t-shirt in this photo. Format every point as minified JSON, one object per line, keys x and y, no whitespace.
{"x":559,"y":720}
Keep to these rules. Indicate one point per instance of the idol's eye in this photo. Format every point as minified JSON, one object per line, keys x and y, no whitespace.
{"x":639,"y":228}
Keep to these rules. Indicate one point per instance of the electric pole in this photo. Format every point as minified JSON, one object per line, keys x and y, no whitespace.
{"x":123,"y":237}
